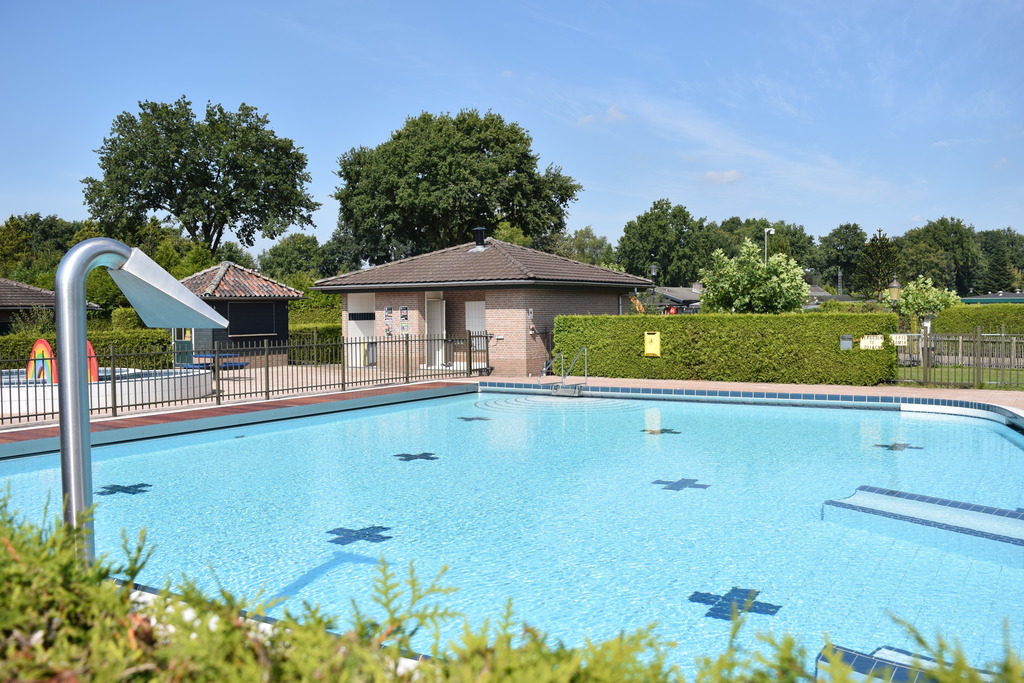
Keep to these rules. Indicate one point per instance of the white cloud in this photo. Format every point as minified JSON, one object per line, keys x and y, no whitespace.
{"x":722,"y":177}
{"x":613,"y":115}
{"x":585,"y":120}
{"x":1003,"y":161}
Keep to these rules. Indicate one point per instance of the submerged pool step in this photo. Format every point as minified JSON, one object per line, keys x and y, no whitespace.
{"x":890,"y":664}
{"x":988,"y":533}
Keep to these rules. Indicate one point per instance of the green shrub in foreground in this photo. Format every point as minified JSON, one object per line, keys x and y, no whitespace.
{"x":61,"y":620}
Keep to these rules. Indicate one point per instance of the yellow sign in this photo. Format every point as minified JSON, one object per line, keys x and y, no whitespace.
{"x":652,"y":344}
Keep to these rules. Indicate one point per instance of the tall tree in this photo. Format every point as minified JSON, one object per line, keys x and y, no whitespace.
{"x":746,"y":284}
{"x":959,"y":245}
{"x":233,"y":251}
{"x":338,"y":254}
{"x":838,"y":252}
{"x":585,"y":246}
{"x":298,"y":253}
{"x":228,"y":172}
{"x":787,"y":238}
{"x":1003,"y":252}
{"x":999,"y":274}
{"x":878,"y":264}
{"x":672,"y":239}
{"x":439,"y":177}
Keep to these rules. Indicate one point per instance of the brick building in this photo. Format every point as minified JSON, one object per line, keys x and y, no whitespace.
{"x":511,"y":292}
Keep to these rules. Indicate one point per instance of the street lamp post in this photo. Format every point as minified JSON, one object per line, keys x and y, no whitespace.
{"x":767,"y":231}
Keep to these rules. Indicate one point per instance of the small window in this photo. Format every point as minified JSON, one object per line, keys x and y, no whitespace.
{"x":246,"y":318}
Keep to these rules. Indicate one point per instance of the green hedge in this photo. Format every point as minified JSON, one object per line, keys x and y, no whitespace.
{"x":17,"y":347}
{"x":126,"y":319}
{"x":991,"y":318}
{"x":304,"y":344}
{"x":790,"y":348}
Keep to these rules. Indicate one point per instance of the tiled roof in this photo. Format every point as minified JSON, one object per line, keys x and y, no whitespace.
{"x":16,"y":296}
{"x":467,"y":265}
{"x":229,"y":280}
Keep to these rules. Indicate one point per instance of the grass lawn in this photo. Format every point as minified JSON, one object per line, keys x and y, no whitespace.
{"x":961,"y":375}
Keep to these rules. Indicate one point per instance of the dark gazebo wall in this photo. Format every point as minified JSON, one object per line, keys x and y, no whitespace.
{"x":249,"y":323}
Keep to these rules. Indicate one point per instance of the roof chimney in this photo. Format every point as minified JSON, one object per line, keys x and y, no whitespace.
{"x":479,"y":234}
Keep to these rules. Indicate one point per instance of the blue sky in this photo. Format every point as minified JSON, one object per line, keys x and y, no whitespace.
{"x":887,"y":114}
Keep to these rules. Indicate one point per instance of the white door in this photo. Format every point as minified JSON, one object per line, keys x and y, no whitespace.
{"x":361,"y":322}
{"x":435,"y":333}
{"x":476,"y":322}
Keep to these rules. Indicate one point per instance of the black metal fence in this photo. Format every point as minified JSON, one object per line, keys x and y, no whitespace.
{"x":984,"y":360}
{"x":122,"y":381}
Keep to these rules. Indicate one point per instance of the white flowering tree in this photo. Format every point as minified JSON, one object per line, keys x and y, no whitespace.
{"x":921,"y":298}
{"x":746,"y":284}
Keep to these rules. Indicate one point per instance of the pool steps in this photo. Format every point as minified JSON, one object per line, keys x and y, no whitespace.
{"x":988,"y":533}
{"x":883,"y":664}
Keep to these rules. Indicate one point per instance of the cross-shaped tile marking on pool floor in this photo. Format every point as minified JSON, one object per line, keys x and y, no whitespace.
{"x":742,"y":598}
{"x":475,"y":419}
{"x":409,"y":457}
{"x":660,"y":431}
{"x":680,"y":485}
{"x":371,"y":533}
{"x":111,"y":489}
{"x":898,"y":446}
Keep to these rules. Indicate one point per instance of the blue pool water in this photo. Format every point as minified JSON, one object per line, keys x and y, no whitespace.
{"x":594,"y":515}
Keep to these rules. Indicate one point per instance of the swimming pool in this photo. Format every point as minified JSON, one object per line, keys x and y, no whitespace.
{"x":594,"y":515}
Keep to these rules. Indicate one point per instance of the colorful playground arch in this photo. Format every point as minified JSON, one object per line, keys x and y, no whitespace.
{"x":42,"y":363}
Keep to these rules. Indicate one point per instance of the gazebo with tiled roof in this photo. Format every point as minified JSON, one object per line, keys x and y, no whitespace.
{"x":511,"y":292}
{"x":255,"y":305}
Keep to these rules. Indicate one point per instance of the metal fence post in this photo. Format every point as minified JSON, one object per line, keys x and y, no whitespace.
{"x":216,"y":372}
{"x":344,"y":362}
{"x":405,"y":346}
{"x":978,"y":383}
{"x":926,"y":356}
{"x":113,"y":383}
{"x":266,"y":368}
{"x":469,"y":353}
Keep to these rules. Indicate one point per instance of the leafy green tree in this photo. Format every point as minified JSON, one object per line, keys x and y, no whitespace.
{"x":338,"y":254}
{"x":998,"y":275}
{"x":233,"y":251}
{"x":921,"y":298}
{"x":298,"y":253}
{"x":439,"y":177}
{"x":839,"y":251}
{"x":920,"y":258}
{"x":14,"y":246}
{"x":228,"y":172}
{"x":586,"y":247}
{"x":788,"y":238}
{"x":878,"y":264}
{"x":1003,"y":252}
{"x":506,"y":232}
{"x":957,"y":242}
{"x":746,"y":284}
{"x":671,"y":238}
